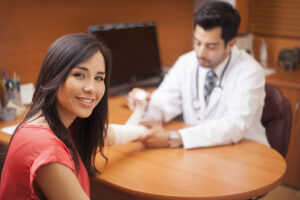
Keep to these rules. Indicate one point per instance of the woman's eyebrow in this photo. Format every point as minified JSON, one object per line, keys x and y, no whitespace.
{"x":82,"y":68}
{"x":86,"y":69}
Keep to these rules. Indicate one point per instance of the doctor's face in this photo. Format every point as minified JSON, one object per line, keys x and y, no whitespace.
{"x":210,"y":47}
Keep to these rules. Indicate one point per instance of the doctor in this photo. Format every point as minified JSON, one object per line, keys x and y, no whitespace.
{"x":218,"y":88}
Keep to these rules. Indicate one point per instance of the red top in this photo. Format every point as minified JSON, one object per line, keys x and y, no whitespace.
{"x":32,"y":147}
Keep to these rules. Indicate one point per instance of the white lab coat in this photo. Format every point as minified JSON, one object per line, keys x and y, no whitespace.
{"x":232,"y":113}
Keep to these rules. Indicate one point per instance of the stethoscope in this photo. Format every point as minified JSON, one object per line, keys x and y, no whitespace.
{"x":196,"y":103}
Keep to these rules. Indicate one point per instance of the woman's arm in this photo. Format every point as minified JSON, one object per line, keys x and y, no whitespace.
{"x":119,"y":134}
{"x":57,"y":181}
{"x":110,"y":138}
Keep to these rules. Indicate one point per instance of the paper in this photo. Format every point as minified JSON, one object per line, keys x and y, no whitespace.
{"x":10,"y":129}
{"x":26,"y":93}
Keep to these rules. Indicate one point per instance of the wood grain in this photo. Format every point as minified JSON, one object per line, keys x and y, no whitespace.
{"x":240,"y":171}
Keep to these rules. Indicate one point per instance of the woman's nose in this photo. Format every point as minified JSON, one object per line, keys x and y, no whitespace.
{"x":89,"y":86}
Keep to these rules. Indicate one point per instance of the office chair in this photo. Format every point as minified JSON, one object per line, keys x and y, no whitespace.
{"x":277,"y":119}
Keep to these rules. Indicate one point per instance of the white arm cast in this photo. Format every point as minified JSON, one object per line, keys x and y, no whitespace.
{"x":127,"y":133}
{"x":138,"y":112}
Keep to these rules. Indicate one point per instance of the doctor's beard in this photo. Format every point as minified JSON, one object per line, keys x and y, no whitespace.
{"x":211,"y":64}
{"x":204,"y":62}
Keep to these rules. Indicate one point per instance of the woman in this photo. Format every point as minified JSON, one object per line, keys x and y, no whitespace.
{"x":52,"y":153}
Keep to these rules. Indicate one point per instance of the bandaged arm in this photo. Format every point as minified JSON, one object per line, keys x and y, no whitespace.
{"x":119,"y":134}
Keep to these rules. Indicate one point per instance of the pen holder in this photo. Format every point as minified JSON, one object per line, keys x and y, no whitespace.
{"x":12,"y":106}
{"x":7,"y":114}
{"x":12,"y":95}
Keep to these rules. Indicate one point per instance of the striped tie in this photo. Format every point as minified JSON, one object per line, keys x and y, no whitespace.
{"x":210,"y":82}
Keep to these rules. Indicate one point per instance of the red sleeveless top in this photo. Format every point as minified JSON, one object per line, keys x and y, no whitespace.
{"x":32,"y":147}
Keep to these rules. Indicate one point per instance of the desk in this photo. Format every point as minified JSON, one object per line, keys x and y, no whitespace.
{"x":247,"y":169}
{"x":240,"y":171}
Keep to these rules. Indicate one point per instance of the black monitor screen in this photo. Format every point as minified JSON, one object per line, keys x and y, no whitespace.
{"x":134,"y":51}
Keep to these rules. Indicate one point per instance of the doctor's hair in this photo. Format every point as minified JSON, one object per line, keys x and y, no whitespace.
{"x":87,"y":133}
{"x":219,"y":14}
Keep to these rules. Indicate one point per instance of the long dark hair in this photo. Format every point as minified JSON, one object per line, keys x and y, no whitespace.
{"x":87,"y":134}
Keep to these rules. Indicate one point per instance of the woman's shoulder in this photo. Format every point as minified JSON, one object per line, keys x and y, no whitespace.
{"x":36,"y":126}
{"x":32,"y":141}
{"x":26,"y":130}
{"x":36,"y":135}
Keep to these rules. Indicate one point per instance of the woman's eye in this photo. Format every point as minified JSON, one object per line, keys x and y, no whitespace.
{"x":99,"y":78}
{"x":79,"y":75}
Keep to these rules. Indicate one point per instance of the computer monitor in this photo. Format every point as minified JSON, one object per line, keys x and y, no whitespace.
{"x":135,"y":54}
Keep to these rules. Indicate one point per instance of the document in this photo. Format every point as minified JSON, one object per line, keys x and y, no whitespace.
{"x":10,"y":129}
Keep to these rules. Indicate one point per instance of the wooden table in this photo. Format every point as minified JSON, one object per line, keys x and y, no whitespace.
{"x":240,"y":171}
{"x":247,"y":169}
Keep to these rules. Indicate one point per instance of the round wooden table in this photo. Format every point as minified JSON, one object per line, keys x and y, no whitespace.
{"x":241,"y":171}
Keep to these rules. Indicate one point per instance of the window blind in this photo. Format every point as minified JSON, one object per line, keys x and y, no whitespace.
{"x":275,"y":17}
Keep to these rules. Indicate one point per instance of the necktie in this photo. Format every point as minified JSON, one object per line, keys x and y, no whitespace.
{"x":209,"y":85}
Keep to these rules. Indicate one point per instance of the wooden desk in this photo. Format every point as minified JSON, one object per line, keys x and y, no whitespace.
{"x":289,"y":83}
{"x":5,"y":138}
{"x":240,"y":171}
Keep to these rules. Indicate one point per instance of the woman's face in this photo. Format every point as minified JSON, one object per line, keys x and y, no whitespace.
{"x":82,"y":90}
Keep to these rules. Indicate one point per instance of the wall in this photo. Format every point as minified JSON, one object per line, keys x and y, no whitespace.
{"x":27,"y":28}
{"x":274,"y":46}
{"x":278,"y":22}
{"x":243,"y":7}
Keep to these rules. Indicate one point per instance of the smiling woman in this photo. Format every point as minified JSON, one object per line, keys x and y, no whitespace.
{"x":82,"y":90}
{"x":52,"y":152}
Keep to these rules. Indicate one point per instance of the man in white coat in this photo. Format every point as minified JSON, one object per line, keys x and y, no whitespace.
{"x":218,"y":88}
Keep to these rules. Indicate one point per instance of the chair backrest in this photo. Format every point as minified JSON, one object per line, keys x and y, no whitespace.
{"x":277,"y":119}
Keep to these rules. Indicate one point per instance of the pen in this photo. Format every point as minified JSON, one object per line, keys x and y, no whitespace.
{"x":4,"y":75}
{"x":5,"y":79}
{"x":18,"y":84}
{"x":12,"y":83}
{"x":15,"y":77}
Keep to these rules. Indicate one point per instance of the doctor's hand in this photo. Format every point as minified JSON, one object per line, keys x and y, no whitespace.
{"x":156,"y":137}
{"x":136,"y":97}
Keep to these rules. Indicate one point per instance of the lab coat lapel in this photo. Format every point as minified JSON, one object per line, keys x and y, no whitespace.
{"x":202,"y":111}
{"x":214,"y":99}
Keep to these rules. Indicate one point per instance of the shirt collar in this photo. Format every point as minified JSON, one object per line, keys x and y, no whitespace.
{"x":219,"y":69}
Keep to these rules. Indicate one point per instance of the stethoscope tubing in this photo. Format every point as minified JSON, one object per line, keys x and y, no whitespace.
{"x":220,"y":82}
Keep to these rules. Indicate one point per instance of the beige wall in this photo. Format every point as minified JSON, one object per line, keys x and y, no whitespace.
{"x":28,"y":27}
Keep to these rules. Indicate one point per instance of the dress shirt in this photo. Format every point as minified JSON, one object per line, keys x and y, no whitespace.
{"x":234,"y":109}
